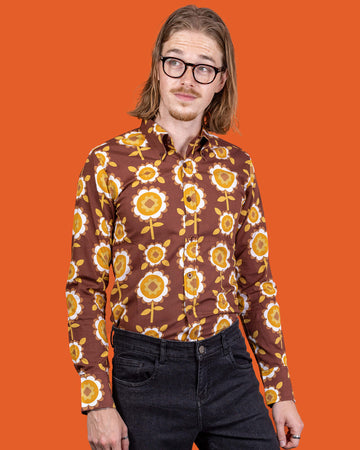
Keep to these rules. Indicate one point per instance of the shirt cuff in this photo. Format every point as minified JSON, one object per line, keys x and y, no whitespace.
{"x":95,"y":391}
{"x":277,"y":385}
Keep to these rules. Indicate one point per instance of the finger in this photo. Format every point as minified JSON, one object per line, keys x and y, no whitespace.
{"x":293,"y":441}
{"x":124,"y":443}
{"x":280,"y":429}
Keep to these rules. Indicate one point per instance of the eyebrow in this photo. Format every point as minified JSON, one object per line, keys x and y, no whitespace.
{"x":181,"y":53}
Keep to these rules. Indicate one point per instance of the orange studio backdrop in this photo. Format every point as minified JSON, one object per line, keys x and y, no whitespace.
{"x":70,"y":72}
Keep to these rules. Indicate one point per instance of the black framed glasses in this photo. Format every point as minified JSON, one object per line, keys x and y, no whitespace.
{"x":202,"y":73}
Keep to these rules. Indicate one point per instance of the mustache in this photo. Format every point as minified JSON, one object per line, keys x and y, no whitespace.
{"x":185,"y":91}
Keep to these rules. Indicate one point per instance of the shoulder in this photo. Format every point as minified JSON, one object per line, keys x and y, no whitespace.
{"x":227,"y":152}
{"x":116,"y":150}
{"x":119,"y":143}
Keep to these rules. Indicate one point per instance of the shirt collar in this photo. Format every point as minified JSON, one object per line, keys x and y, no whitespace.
{"x":155,"y":134}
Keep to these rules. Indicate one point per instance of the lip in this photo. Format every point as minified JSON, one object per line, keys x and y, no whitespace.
{"x":184,"y":97}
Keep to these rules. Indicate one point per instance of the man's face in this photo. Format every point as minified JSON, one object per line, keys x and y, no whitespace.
{"x":184,"y":98}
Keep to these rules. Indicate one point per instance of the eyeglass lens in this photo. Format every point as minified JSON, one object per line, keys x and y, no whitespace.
{"x":176,"y":68}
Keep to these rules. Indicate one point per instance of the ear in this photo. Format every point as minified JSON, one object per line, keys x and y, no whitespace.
{"x":222,"y":81}
{"x":158,"y":69}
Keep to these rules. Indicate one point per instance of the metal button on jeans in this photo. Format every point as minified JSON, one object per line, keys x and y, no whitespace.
{"x":201,"y":349}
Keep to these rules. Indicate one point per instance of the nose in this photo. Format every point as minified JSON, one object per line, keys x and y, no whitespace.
{"x":188,"y":77}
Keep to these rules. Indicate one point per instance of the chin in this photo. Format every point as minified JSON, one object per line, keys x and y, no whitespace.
{"x":183,"y":116}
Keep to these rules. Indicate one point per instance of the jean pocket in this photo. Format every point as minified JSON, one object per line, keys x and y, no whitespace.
{"x":239,"y":356}
{"x":134,"y":369}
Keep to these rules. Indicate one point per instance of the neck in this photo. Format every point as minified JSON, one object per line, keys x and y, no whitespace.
{"x":181,"y":132}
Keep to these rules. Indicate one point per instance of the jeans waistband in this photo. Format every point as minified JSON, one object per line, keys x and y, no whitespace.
{"x":137,"y":342}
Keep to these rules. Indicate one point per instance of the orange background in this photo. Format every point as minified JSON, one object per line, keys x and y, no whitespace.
{"x":70,"y":71}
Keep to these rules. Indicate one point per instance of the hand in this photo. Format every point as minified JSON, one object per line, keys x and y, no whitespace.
{"x":285,"y":415}
{"x":106,"y":430}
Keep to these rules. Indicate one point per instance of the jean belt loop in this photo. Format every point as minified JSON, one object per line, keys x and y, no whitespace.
{"x":112,"y":332}
{"x":224,"y":343}
{"x":162,"y":351}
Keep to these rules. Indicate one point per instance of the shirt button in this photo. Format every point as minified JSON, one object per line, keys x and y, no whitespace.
{"x":188,"y":198}
{"x":185,"y":165}
{"x":189,"y":275}
{"x":201,"y":349}
{"x":189,"y":312}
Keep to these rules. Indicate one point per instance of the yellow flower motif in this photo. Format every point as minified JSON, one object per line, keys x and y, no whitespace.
{"x":186,"y":167}
{"x":119,"y":232}
{"x":189,"y":167}
{"x":254,"y":216}
{"x":91,"y":392}
{"x":104,"y":227}
{"x":266,"y":372}
{"x":259,"y":247}
{"x":149,"y":204}
{"x":268,"y":288}
{"x":243,"y":303}
{"x":222,"y":323}
{"x":133,"y":139}
{"x":193,"y":282}
{"x":102,"y":257}
{"x":284,"y":359}
{"x":219,"y":256}
{"x":221,"y":302}
{"x":226,"y":223}
{"x":153,"y":287}
{"x":271,"y":395}
{"x":121,"y":265}
{"x":158,"y":129}
{"x":119,"y":311}
{"x":193,"y":198}
{"x":102,"y":178}
{"x":179,"y":174}
{"x":79,"y":223}
{"x":272,"y":316}
{"x":153,"y":332}
{"x":192,"y":333}
{"x":76,"y":352}
{"x":100,"y":330}
{"x":223,"y":178}
{"x":99,"y":301}
{"x":154,"y":254}
{"x":73,"y":271}
{"x":191,"y":250}
{"x":183,"y":335}
{"x":221,"y":152}
{"x":147,"y":173}
{"x":233,"y":281}
{"x":102,"y":157}
{"x":73,"y":304}
{"x":81,"y":187}
{"x":114,"y":187}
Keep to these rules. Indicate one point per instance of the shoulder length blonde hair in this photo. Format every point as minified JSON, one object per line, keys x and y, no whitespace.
{"x":220,"y":115}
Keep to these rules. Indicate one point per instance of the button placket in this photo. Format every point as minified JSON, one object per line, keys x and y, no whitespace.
{"x":189,"y":264}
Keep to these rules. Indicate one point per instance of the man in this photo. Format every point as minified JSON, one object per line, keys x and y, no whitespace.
{"x":177,"y":212}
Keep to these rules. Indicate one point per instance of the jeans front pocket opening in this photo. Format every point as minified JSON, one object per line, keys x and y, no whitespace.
{"x":135,"y":369}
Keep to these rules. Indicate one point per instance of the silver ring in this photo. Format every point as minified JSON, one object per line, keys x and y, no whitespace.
{"x":296,"y":436}
{"x":125,"y":437}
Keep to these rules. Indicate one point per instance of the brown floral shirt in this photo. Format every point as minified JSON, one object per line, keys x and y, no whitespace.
{"x":187,"y":241}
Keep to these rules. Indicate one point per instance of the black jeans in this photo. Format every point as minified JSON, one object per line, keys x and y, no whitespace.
{"x":171,"y":394}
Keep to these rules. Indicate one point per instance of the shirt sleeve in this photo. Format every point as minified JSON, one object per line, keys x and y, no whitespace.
{"x":259,"y":310}
{"x":87,"y":281}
